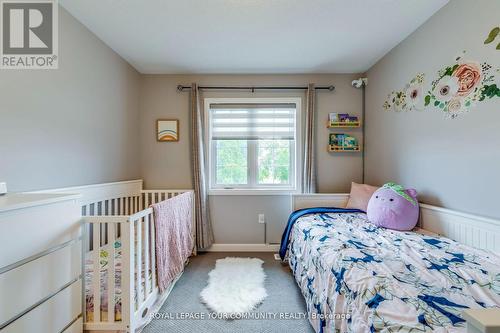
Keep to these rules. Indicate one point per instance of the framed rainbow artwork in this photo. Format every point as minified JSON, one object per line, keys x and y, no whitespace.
{"x":167,"y":130}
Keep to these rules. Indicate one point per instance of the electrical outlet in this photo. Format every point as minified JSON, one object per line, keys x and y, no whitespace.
{"x":262,"y":219}
{"x":3,"y":188}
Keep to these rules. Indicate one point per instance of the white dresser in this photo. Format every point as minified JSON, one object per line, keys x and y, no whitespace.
{"x":40,"y":263}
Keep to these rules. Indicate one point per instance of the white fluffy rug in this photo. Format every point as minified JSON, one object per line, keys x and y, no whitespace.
{"x":236,"y":285}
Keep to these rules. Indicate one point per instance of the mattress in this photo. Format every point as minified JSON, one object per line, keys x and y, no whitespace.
{"x":89,"y":274}
{"x":356,"y":277}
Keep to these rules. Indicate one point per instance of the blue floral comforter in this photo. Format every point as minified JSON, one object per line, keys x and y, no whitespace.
{"x":356,"y":277}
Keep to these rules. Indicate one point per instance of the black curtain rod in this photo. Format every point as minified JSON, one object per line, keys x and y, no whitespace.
{"x":182,"y":88}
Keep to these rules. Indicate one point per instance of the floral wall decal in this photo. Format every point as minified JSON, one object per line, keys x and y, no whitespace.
{"x":408,"y":99}
{"x":460,"y":86}
{"x":492,"y":35}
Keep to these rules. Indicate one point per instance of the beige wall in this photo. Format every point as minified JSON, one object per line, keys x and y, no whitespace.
{"x":74,"y":125}
{"x":452,"y":163}
{"x":235,"y":218}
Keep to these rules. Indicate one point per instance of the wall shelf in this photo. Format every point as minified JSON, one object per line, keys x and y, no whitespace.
{"x":341,"y":149}
{"x":343,"y":124}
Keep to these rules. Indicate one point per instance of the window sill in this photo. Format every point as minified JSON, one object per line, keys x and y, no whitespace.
{"x":237,"y":191}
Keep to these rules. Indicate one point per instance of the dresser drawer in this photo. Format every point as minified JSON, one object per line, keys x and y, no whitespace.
{"x":27,"y":232}
{"x":24,"y":286}
{"x":51,"y":316}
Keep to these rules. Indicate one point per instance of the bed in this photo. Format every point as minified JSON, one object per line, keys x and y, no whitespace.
{"x":356,"y":277}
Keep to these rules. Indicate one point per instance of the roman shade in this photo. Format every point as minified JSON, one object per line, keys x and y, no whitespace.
{"x":252,"y":121}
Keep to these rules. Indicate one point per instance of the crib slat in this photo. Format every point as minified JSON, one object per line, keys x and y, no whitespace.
{"x":138,"y":271}
{"x":153,"y":249}
{"x":146,"y":256}
{"x":126,"y":212}
{"x":96,"y":278}
{"x":127,"y":282}
{"x":100,"y":211}
{"x":111,"y":272}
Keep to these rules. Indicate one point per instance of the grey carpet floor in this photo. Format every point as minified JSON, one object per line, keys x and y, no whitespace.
{"x":283,"y":297}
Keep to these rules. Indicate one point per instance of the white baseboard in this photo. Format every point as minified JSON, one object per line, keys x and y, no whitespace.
{"x":243,"y":248}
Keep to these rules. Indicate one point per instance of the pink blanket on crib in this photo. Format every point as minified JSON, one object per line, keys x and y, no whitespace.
{"x":174,"y":241}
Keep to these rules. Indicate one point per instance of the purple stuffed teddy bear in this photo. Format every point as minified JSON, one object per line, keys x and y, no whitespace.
{"x":393,"y":207}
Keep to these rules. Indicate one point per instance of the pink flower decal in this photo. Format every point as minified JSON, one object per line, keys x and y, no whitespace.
{"x":469,"y":76}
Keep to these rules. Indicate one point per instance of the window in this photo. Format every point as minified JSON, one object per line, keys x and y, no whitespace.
{"x":252,"y":144}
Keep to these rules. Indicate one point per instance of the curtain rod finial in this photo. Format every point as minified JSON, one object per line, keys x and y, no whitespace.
{"x":331,"y":88}
{"x":180,"y":88}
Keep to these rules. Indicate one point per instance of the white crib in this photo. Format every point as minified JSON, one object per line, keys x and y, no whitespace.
{"x":122,"y":216}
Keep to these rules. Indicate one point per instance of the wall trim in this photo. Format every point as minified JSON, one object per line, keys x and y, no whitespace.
{"x":100,"y":192}
{"x":243,"y":248}
{"x":470,"y":216}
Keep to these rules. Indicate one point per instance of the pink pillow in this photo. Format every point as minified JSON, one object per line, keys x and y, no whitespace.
{"x":360,"y":195}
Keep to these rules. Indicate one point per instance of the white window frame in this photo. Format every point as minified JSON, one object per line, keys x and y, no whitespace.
{"x":296,"y":171}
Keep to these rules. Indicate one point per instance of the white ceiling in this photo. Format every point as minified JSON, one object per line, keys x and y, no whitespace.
{"x":252,"y":36}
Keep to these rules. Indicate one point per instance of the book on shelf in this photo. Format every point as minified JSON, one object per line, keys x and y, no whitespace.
{"x":342,"y":119}
{"x":341,"y":141}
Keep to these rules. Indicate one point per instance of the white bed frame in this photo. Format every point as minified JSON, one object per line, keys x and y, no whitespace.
{"x":122,"y":210}
{"x":473,"y":230}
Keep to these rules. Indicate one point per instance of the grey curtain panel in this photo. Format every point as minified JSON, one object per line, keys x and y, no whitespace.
{"x":204,"y":232}
{"x":309,"y":168}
